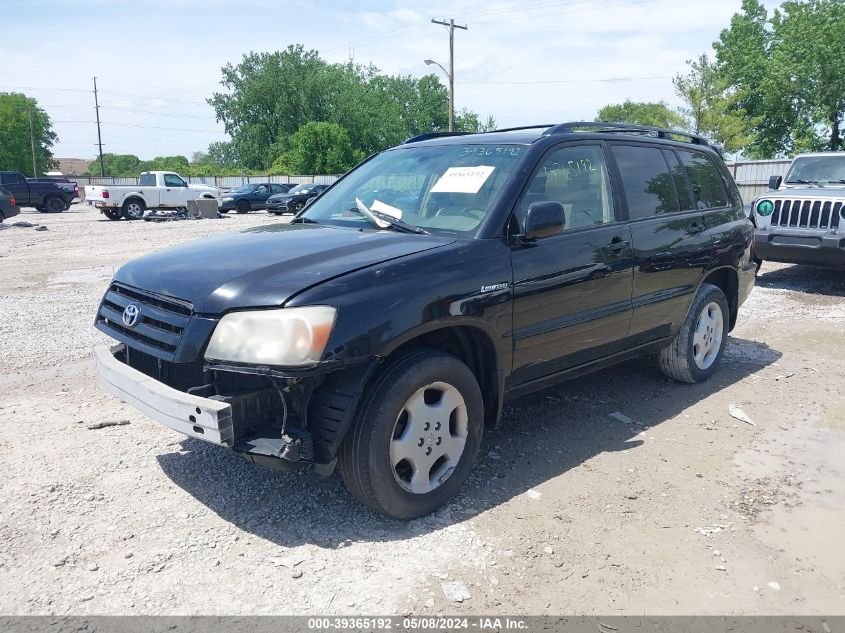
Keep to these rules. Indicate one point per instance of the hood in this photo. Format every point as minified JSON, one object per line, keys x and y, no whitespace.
{"x":208,"y":188}
{"x":265,"y":266}
{"x":828,"y":191}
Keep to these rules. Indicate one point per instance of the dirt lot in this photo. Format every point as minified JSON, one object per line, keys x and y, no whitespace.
{"x":674,"y":507}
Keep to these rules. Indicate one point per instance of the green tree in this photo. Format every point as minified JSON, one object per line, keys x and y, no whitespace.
{"x":711,"y":108}
{"x":116,"y":165}
{"x":16,"y":137}
{"x":318,"y":148}
{"x":785,"y":74}
{"x":270,"y":96}
{"x":467,"y":121}
{"x":657,"y":114}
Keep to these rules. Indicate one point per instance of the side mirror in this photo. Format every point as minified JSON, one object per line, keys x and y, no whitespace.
{"x":543,"y":219}
{"x":775,"y":182}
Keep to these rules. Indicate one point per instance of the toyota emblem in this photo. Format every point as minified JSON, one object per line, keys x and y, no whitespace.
{"x":131,"y":314}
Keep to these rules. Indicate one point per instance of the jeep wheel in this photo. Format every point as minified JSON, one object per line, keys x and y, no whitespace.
{"x":693,"y":355}
{"x":54,"y":204}
{"x":243,"y":206}
{"x":133,"y":209}
{"x":415,"y":436}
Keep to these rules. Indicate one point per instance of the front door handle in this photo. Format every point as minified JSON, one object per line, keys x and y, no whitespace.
{"x":617,"y":245}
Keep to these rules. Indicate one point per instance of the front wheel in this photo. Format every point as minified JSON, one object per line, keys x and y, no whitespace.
{"x":112,"y":214}
{"x":696,"y":350}
{"x":415,"y":437}
{"x":243,"y":206}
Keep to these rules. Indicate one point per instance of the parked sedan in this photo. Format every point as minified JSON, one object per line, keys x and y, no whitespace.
{"x":8,"y":207}
{"x":252,"y":196}
{"x":294,"y":200}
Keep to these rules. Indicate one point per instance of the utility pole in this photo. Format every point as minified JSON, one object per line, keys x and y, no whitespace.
{"x":32,"y":144}
{"x":452,"y":26}
{"x":99,"y":135}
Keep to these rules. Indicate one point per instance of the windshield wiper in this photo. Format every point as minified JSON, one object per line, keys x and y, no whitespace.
{"x":303,"y":220}
{"x":386,"y":221}
{"x":805,"y":182}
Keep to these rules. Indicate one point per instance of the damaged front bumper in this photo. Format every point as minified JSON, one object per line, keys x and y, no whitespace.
{"x":203,"y":418}
{"x":276,"y":419}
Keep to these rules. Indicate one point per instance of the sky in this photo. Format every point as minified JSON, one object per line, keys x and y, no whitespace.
{"x":156,"y":61}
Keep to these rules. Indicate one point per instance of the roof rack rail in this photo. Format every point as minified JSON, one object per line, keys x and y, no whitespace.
{"x":521,"y":127}
{"x":625,"y":128}
{"x":428,"y":135}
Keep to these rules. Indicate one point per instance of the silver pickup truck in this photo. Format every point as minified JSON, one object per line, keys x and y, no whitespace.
{"x":802,"y":219}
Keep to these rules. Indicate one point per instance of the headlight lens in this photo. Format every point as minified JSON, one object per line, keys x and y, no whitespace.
{"x":227,"y":199}
{"x":289,"y":337}
{"x":765,"y":207}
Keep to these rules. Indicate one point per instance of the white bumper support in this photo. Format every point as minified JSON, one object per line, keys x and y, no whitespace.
{"x":202,"y":418}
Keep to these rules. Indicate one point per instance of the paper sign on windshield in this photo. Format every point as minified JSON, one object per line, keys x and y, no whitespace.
{"x":463,"y":179}
{"x":385,"y":208}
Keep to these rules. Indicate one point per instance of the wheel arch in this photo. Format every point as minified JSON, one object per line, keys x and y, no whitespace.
{"x":334,"y":403}
{"x":726,"y":279}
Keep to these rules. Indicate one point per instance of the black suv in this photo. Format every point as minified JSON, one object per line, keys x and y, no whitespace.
{"x":386,"y":325}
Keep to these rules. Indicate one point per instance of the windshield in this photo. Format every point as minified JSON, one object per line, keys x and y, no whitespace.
{"x":444,"y":189}
{"x":302,"y":189}
{"x":818,"y":169}
{"x":243,"y":189}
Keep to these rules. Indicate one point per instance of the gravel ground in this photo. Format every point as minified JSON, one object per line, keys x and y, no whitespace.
{"x":672,"y":507}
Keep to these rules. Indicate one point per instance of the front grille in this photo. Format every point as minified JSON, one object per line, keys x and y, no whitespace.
{"x":807,"y":214}
{"x":181,"y":376}
{"x":160,"y":325}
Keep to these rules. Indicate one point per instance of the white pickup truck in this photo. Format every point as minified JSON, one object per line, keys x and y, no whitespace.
{"x":155,"y":190}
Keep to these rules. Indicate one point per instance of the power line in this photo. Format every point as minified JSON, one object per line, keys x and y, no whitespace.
{"x":561,"y":81}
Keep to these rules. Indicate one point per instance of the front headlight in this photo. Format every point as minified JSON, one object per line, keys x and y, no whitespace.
{"x":289,"y":337}
{"x":227,"y":199}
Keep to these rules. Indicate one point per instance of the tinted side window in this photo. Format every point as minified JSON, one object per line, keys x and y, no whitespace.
{"x":171,"y":180}
{"x":12,"y":179}
{"x":649,"y":187}
{"x":707,"y":188}
{"x":147,"y":180}
{"x":577,"y":178}
{"x":680,"y":178}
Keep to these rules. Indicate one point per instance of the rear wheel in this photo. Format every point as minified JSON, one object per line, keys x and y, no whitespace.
{"x":243,"y":206}
{"x":133,"y":209}
{"x":694,"y":354}
{"x":54,"y":204}
{"x":415,"y":437}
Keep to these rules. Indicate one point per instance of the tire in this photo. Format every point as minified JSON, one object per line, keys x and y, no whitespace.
{"x":54,"y":204}
{"x":41,"y":209}
{"x":242,"y":206}
{"x":377,"y":466}
{"x":112,"y":215}
{"x":695,"y":352}
{"x":296,"y":207}
{"x":133,"y":209}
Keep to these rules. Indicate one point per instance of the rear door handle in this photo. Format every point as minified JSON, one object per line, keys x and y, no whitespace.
{"x":617,"y":245}
{"x":695,"y":228}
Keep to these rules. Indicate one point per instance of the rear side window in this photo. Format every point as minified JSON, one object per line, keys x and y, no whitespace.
{"x":12,"y":179}
{"x":648,"y":184}
{"x":147,"y":180}
{"x":680,"y":178}
{"x":708,"y":190}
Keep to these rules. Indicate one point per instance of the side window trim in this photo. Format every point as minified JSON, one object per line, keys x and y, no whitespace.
{"x":618,"y":211}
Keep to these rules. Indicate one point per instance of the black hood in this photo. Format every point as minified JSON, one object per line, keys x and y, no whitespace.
{"x":266,"y":266}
